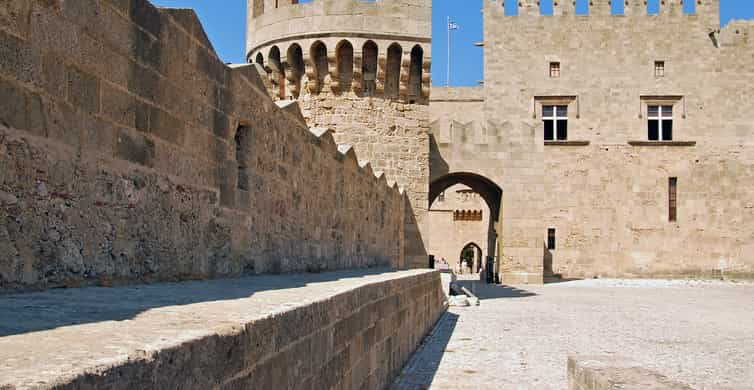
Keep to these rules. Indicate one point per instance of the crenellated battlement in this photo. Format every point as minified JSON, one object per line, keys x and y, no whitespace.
{"x":527,"y":8}
{"x":336,"y":47}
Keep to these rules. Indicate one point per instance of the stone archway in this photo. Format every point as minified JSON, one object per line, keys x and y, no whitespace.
{"x":491,"y":195}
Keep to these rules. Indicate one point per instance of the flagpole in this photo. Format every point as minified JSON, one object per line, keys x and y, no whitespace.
{"x":447,"y":79}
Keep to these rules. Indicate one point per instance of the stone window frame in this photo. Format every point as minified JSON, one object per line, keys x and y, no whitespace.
{"x":678,"y":102}
{"x":574,"y":106}
{"x":555,"y":69}
{"x":659,"y":68}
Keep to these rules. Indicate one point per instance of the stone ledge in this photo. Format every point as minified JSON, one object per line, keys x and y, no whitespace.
{"x":615,"y":373}
{"x":257,"y":332}
{"x":662,"y":143}
{"x":566,"y":143}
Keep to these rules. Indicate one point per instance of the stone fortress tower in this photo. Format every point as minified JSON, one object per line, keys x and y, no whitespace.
{"x":596,"y":142}
{"x":360,"y":69}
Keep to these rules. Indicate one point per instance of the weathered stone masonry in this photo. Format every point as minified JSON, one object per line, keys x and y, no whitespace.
{"x":129,"y":152}
{"x":361,"y":69}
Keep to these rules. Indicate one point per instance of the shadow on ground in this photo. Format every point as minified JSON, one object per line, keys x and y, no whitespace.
{"x":493,"y":291}
{"x":421,"y":369}
{"x":37,"y":311}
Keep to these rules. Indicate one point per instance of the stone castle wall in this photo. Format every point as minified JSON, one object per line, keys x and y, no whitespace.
{"x":605,"y":190}
{"x":393,"y":137}
{"x":361,"y":69}
{"x":130,"y":153}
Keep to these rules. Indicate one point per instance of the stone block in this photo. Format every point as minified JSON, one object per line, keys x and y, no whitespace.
{"x":135,"y":148}
{"x":83,"y":90}
{"x":166,"y":126}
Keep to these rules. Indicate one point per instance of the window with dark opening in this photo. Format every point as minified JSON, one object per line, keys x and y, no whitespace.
{"x":554,"y":69}
{"x":555,"y":120}
{"x":242,"y":157}
{"x":659,"y":68}
{"x":551,"y":238}
{"x":369,"y":68}
{"x":660,"y":123}
{"x":672,"y":199}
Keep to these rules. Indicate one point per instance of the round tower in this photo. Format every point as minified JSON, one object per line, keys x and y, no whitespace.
{"x":362,"y":48}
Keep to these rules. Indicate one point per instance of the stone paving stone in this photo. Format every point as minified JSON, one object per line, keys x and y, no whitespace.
{"x":699,"y":333}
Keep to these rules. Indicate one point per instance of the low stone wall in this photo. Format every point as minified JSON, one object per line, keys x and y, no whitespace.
{"x":130,"y":153}
{"x":347,"y":329}
{"x":611,"y":373}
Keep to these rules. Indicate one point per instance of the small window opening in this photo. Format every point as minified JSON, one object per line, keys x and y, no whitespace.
{"x":242,"y":157}
{"x":659,"y":68}
{"x":555,"y":120}
{"x":672,"y":199}
{"x":554,"y":69}
{"x":441,"y":197}
{"x":551,"y":239}
{"x":660,"y":123}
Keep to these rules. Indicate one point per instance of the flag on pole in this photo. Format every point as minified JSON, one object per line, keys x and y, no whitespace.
{"x":453,"y":26}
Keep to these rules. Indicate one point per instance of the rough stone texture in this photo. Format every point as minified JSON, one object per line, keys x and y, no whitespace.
{"x":348,"y":329}
{"x":130,"y":152}
{"x":611,"y":373}
{"x":392,"y":138}
{"x":318,"y":54}
{"x":606,"y":195}
{"x":693,"y":332}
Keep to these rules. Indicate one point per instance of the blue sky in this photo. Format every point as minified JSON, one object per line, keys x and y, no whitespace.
{"x":226,"y":25}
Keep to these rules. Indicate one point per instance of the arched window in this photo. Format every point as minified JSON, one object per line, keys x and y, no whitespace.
{"x":319,"y":59}
{"x":415,"y":74}
{"x":260,"y":59}
{"x":278,"y":74}
{"x":242,"y":157}
{"x":296,"y":63}
{"x":393,"y":71}
{"x":345,"y":65}
{"x":369,"y":67}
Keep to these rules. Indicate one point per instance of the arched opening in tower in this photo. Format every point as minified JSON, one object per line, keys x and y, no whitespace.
{"x":393,"y":71}
{"x":319,"y":59}
{"x":295,"y":59}
{"x":345,"y":66}
{"x":369,"y":68}
{"x":277,"y":77}
{"x":260,"y":59}
{"x":415,"y":74}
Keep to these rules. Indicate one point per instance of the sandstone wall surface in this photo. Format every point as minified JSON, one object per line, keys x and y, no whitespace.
{"x":605,"y":190}
{"x":384,"y":19}
{"x":393,"y":137}
{"x":339,"y":330}
{"x":129,"y":153}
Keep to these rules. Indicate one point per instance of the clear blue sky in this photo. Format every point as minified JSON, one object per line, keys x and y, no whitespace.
{"x":226,"y":25}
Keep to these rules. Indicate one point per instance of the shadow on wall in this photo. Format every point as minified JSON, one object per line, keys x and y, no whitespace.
{"x":31,"y":312}
{"x":493,"y":291}
{"x":428,"y":356}
{"x":415,"y":253}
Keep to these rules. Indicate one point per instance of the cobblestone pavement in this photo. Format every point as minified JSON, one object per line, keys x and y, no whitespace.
{"x":700,"y":333}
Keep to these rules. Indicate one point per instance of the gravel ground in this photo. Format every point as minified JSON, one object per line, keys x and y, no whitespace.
{"x":697,"y":332}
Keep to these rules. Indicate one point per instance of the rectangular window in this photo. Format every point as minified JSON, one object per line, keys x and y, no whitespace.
{"x":555,"y":120}
{"x":659,"y":68}
{"x":660,"y":123}
{"x":551,"y":239}
{"x":672,"y":199}
{"x":554,"y":69}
